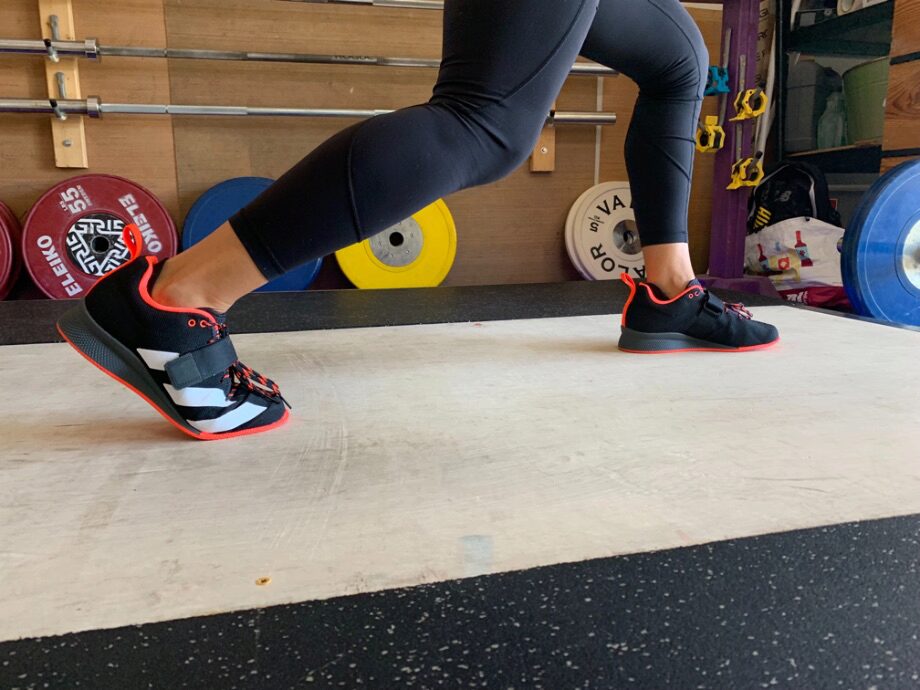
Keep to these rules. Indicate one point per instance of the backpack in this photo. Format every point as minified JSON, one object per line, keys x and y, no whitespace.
{"x":790,"y":190}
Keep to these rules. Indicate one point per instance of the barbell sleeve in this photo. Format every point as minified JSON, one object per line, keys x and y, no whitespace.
{"x":86,"y":49}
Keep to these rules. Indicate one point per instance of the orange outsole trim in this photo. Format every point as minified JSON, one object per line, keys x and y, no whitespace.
{"x":200,"y":435}
{"x":746,"y":348}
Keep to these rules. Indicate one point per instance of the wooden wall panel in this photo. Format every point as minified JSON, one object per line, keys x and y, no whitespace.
{"x":620,"y":94}
{"x":511,"y":231}
{"x":902,"y":112}
{"x":905,"y":34}
{"x":889,"y":163}
{"x":138,"y":148}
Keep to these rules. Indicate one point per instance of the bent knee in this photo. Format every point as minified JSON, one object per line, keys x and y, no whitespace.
{"x":692,"y":69}
{"x":504,"y":159}
{"x":686,"y":71}
{"x":495,"y":142}
{"x":507,"y":146}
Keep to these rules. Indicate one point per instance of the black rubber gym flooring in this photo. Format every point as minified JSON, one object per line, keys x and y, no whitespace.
{"x":832,"y":607}
{"x":31,"y":321}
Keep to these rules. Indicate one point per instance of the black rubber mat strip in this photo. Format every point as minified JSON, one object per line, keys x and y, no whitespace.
{"x":32,"y":321}
{"x":831,"y":607}
{"x":901,"y":153}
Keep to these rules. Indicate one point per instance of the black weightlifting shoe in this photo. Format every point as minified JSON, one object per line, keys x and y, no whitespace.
{"x":181,"y":361}
{"x":694,"y":321}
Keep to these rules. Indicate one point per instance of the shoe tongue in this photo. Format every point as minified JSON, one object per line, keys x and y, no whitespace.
{"x":694,"y":283}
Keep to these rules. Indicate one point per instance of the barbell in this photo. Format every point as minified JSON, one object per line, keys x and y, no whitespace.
{"x":90,"y":49}
{"x":93,"y":107}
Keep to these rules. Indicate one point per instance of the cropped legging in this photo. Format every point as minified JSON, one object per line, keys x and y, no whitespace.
{"x":504,"y":62}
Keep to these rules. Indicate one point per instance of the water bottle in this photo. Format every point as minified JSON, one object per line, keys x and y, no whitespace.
{"x":832,"y":127}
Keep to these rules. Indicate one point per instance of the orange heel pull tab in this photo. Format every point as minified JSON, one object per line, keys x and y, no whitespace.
{"x":626,"y":278}
{"x":133,"y":240}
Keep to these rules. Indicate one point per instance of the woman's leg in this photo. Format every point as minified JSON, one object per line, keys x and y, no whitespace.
{"x":658,"y":45}
{"x":504,"y":62}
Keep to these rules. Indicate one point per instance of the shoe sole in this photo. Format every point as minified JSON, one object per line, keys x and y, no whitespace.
{"x":637,"y":342}
{"x":108,"y":355}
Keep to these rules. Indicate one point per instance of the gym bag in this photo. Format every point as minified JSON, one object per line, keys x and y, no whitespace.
{"x":791,"y":190}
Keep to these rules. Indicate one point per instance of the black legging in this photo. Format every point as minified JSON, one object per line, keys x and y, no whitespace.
{"x":504,"y":62}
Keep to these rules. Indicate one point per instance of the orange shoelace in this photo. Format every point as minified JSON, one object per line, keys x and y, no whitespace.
{"x":245,"y":378}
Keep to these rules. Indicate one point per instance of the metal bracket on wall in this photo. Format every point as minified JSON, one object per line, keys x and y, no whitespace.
{"x":543,"y":158}
{"x":63,"y":76}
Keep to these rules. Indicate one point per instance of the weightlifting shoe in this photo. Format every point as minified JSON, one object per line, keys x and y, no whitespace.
{"x":181,"y":361}
{"x":694,"y":321}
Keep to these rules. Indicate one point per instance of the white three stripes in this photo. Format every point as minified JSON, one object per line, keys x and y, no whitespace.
{"x":202,"y":397}
{"x":198,"y":397}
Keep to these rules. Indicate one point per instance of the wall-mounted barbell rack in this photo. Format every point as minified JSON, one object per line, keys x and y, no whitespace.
{"x":59,"y":48}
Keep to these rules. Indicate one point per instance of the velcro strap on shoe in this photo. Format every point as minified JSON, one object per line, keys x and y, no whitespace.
{"x":714,"y":305}
{"x":196,"y":366}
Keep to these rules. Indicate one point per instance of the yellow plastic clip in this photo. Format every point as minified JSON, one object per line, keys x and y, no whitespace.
{"x":710,"y":137}
{"x":750,"y":104}
{"x":753,"y":171}
{"x":747,"y":172}
{"x":738,"y":173}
